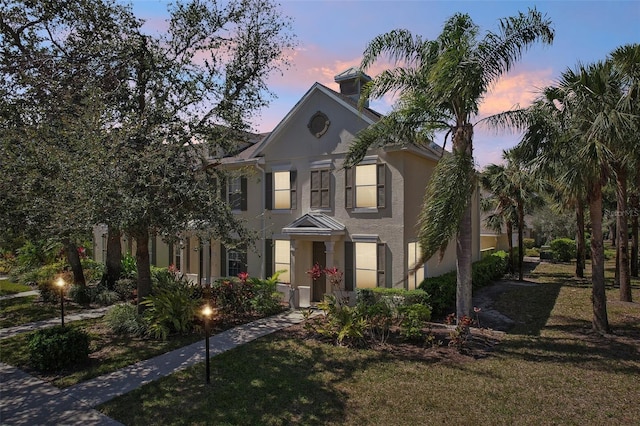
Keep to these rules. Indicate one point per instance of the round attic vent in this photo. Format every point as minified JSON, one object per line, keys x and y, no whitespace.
{"x":319,"y":124}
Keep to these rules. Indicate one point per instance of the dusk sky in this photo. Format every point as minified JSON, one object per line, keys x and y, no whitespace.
{"x":331,"y":36}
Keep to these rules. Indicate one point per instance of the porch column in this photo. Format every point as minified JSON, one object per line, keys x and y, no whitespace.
{"x":292,"y":260}
{"x":182,"y":265}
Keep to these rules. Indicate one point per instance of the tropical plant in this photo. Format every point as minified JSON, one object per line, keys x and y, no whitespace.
{"x":171,"y":308}
{"x":586,"y":104}
{"x":441,"y":84}
{"x":515,"y":191}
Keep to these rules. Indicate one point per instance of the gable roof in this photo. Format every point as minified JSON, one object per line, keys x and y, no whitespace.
{"x":314,"y":224}
{"x":370,"y":116}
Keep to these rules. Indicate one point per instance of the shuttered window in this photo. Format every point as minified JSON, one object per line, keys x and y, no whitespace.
{"x":320,"y":189}
{"x":365,"y":186}
{"x":370,"y":262}
{"x":281,"y":190}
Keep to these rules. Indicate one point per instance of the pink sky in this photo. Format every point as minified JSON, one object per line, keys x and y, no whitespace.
{"x":332,"y":35}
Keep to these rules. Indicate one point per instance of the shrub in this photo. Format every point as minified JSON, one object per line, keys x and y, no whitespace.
{"x":171,"y":308}
{"x":49,"y":293}
{"x":442,"y":289}
{"x":414,"y":319}
{"x":564,"y":249}
{"x":532,"y":252}
{"x":54,"y":348}
{"x":378,"y":317}
{"x":393,"y":297}
{"x":82,"y":295}
{"x":93,"y":271}
{"x":528,"y":243}
{"x":266,"y":299}
{"x":103,"y":296}
{"x":342,"y":324}
{"x":125,"y":288}
{"x":233,"y":296}
{"x":129,"y":266}
{"x":124,"y":319}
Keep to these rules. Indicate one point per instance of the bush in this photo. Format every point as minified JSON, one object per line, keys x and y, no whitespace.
{"x":129,"y":266}
{"x":564,"y":249}
{"x":532,"y":252}
{"x":442,"y":289}
{"x":124,"y":319}
{"x":266,"y":299}
{"x":233,"y":296}
{"x":125,"y":288}
{"x":528,"y":243}
{"x":103,"y":296}
{"x":82,"y":295}
{"x":378,"y":317}
{"x":54,"y":348}
{"x":171,"y":308}
{"x":414,"y":319}
{"x":395,"y":298}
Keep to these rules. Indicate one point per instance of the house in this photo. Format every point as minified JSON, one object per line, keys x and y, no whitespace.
{"x":292,"y":188}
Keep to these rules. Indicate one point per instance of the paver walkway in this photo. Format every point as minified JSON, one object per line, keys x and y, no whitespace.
{"x":29,"y":401}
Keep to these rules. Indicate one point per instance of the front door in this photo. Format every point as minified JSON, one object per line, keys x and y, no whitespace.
{"x":319,"y":257}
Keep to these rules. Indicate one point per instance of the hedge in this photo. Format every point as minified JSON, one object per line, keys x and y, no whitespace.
{"x":442,"y":289}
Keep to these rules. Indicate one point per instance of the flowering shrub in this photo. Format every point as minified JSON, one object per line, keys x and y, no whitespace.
{"x":460,"y":335}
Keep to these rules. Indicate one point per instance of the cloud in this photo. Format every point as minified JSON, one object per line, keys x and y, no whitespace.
{"x":515,"y":89}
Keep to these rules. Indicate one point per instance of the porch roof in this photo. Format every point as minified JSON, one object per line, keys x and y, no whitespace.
{"x":315,"y":224}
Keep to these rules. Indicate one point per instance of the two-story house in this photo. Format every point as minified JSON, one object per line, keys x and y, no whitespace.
{"x":292,"y":188}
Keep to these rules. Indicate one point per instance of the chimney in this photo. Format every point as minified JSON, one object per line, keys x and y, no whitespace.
{"x":351,"y":82}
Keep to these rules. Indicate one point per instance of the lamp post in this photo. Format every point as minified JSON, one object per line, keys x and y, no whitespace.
{"x":60,"y":283}
{"x":206,"y":312}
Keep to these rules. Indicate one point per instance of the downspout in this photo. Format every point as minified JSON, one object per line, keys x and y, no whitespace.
{"x":262,"y":216}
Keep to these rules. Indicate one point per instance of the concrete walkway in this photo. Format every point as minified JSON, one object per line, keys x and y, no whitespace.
{"x":32,"y":326}
{"x":22,"y":294}
{"x":30,"y":401}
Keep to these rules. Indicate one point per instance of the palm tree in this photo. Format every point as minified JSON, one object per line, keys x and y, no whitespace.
{"x":441,"y":84}
{"x":518,"y":191}
{"x":587,"y":103}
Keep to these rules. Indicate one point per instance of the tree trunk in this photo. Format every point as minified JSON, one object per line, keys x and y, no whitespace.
{"x":114,"y":257}
{"x":622,"y":226}
{"x":462,"y":142}
{"x":510,"y":238}
{"x":634,"y":210}
{"x":71,"y":250}
{"x":143,"y":266}
{"x":580,"y":241}
{"x":600,"y":322}
{"x":464,"y":292}
{"x":520,"y":241}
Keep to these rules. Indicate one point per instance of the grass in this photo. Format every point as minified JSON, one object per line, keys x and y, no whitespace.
{"x":23,"y":310}
{"x":7,"y":287}
{"x":109,"y":352}
{"x":550,"y":369}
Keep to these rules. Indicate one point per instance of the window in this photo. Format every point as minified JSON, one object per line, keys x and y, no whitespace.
{"x":415,"y":278}
{"x":237,"y":193}
{"x":369,"y":265}
{"x":281,"y":190}
{"x":364,"y":186}
{"x":282,"y":259}
{"x":320,"y":189}
{"x":236,"y":262}
{"x":233,"y":260}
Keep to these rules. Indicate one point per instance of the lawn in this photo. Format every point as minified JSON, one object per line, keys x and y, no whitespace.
{"x":549,"y":369}
{"x":7,"y":287}
{"x":22,"y":310}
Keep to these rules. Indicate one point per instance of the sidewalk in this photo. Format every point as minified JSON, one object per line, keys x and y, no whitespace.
{"x":32,"y":326}
{"x":27,"y":400}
